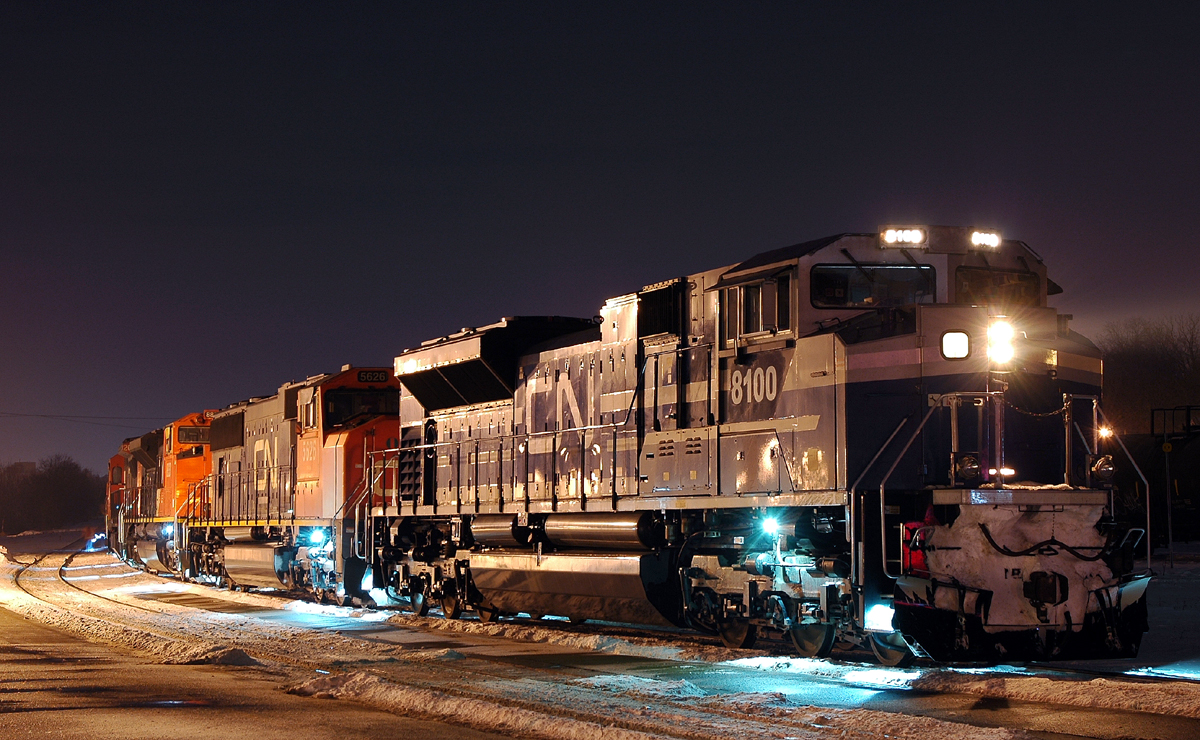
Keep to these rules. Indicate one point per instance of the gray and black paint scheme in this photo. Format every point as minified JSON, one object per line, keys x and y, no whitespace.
{"x":711,"y":452}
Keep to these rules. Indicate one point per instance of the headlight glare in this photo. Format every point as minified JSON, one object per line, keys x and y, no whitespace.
{"x":1000,"y":342}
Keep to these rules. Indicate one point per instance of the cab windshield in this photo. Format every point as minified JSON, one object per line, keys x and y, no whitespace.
{"x":979,"y":286}
{"x":866,"y":285}
{"x":344,"y":404}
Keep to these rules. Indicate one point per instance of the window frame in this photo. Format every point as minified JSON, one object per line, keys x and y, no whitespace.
{"x":733,"y":329}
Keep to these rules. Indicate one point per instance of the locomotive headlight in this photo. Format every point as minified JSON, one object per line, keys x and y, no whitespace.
{"x":985,"y":239}
{"x":1103,"y":468}
{"x":1105,"y":432}
{"x":968,"y":467}
{"x":316,"y":536}
{"x":1000,"y":342}
{"x":903,"y":236}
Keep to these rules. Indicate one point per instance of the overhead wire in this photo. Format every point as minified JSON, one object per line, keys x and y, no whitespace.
{"x":86,"y":419}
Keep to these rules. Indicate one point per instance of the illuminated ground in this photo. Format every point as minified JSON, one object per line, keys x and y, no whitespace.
{"x":548,"y":679}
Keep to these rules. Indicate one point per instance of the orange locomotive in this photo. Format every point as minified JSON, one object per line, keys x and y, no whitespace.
{"x":251,"y":495}
{"x":148,"y":482}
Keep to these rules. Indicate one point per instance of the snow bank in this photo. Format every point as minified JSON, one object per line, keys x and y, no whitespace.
{"x":638,"y":647}
{"x":210,"y":655}
{"x":851,"y":723}
{"x":166,"y":649}
{"x":1179,"y":698}
{"x":1158,"y":697}
{"x":476,"y":713}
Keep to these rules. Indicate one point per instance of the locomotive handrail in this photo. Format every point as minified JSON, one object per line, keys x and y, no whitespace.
{"x":1149,"y":544}
{"x":615,"y":428}
{"x":547,"y":433}
{"x":787,"y":465}
{"x":368,"y":489}
{"x":882,"y":483}
{"x":853,"y":494}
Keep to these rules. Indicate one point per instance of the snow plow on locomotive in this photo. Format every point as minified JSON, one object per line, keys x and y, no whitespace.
{"x":884,"y":440}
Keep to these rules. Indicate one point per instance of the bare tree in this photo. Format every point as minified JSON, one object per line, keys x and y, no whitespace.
{"x":58,"y":492}
{"x":1150,"y":363}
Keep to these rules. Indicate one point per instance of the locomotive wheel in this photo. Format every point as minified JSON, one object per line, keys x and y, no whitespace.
{"x":737,"y":634}
{"x":891,"y":650}
{"x":813,"y":640}
{"x":451,"y":606}
{"x":487,"y":616}
{"x":419,"y":603}
{"x":418,"y":597}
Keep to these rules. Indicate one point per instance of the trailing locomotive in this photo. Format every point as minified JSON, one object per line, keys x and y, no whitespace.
{"x":885,"y":440}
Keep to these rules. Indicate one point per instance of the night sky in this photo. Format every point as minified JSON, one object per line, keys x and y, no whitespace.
{"x":199,"y":201}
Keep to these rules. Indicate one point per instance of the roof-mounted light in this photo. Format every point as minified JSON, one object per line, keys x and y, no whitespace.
{"x":903,"y":236}
{"x":985,"y":239}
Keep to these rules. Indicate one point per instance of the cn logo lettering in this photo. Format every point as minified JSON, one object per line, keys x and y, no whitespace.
{"x":754,"y":385}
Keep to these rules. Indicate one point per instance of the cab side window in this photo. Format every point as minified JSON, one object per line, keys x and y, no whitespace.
{"x":759,"y":308}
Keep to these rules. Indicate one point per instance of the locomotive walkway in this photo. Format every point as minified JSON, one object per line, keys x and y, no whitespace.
{"x":566,"y":683}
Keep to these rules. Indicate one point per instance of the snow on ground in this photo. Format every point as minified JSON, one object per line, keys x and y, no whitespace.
{"x":464,"y":689}
{"x":729,"y":718}
{"x":642,"y":686}
{"x":1157,"y":697}
{"x":483,"y":715}
{"x":389,"y":677}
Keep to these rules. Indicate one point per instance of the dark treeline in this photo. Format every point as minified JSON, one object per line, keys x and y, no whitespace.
{"x":55,"y":492}
{"x":1149,"y":364}
{"x":1155,"y":364}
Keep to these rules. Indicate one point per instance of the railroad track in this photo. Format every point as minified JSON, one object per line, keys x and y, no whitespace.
{"x":776,"y":648}
{"x":299,"y":652}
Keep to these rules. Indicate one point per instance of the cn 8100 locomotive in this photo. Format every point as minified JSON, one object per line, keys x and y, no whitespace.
{"x":882,"y":440}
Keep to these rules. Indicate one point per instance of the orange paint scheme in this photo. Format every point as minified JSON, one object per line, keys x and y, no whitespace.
{"x":115,"y":487}
{"x":186,"y":460}
{"x":330,"y":462}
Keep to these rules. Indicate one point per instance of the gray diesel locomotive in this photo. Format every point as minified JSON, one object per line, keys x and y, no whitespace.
{"x":886,"y":440}
{"x":880,"y":440}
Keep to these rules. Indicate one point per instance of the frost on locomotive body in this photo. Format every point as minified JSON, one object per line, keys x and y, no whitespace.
{"x":886,"y":440}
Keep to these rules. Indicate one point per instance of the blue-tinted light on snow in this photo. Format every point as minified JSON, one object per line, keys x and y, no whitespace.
{"x":879,"y":618}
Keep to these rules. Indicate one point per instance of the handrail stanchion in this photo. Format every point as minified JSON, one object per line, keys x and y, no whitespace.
{"x":883,"y":483}
{"x":1149,"y":546}
{"x":853,"y":496}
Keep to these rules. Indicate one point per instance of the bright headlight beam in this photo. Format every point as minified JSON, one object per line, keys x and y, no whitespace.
{"x":1001,"y":331}
{"x":771,"y":526}
{"x":985,"y":239}
{"x":903,"y":236}
{"x":1000,"y":338}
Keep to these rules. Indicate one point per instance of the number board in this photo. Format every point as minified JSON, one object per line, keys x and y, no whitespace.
{"x":753,"y":389}
{"x":372,"y":376}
